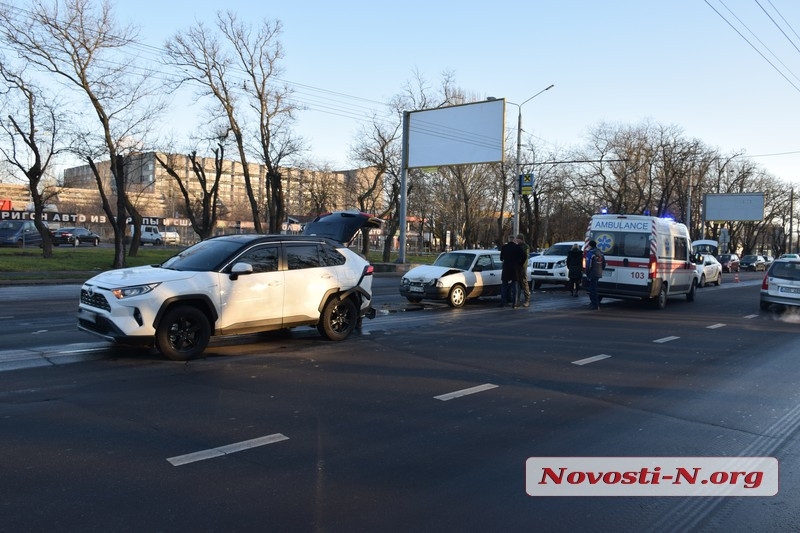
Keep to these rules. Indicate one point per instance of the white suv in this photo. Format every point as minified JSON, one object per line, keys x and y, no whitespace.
{"x":551,"y":266}
{"x":236,"y":284}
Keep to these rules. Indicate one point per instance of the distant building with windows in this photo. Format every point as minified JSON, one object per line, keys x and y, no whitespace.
{"x":156,"y":194}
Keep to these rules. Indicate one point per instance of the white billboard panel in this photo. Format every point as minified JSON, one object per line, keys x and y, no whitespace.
{"x":457,"y":135}
{"x":746,"y":206}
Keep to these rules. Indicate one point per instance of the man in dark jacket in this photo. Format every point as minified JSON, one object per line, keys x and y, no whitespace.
{"x":522,"y":275}
{"x":574,"y":269}
{"x":511,"y":255}
{"x":594,"y":271}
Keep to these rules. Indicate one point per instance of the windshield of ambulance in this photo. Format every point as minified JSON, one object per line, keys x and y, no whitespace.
{"x":622,"y":243}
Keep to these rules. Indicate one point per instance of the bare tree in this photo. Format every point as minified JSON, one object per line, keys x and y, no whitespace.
{"x":31,"y":131}
{"x":81,"y":44}
{"x":204,"y":209}
{"x":202,"y":57}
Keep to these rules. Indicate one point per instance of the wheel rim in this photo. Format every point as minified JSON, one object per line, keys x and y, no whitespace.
{"x":183,"y":334}
{"x":341,"y":319}
{"x":458,"y":296}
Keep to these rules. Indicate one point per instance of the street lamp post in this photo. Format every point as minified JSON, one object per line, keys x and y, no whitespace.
{"x":516,"y":194}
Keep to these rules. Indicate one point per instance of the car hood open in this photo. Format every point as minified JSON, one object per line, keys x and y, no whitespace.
{"x":341,"y":226}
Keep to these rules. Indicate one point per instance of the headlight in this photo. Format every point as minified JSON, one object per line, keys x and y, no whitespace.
{"x":404,"y":281}
{"x":433,"y":283}
{"x":561,"y":263}
{"x":137,"y":290}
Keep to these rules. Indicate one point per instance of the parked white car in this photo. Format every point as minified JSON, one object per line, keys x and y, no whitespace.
{"x":551,"y":266}
{"x":709,"y":270}
{"x":171,"y":237}
{"x":236,"y":284}
{"x":781,"y":285}
{"x":455,"y":277}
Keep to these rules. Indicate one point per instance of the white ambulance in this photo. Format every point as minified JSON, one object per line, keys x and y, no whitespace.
{"x":647,"y":258}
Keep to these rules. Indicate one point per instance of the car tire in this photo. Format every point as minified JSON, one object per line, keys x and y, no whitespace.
{"x":719,"y":279}
{"x":413,"y":299}
{"x":692,"y":292}
{"x":457,"y":296}
{"x":764,"y":306}
{"x":76,"y":242}
{"x":96,"y":242}
{"x":660,"y":301}
{"x":338,"y":319}
{"x":537,"y":285}
{"x":183,"y":333}
{"x":157,"y":243}
{"x":702,"y":281}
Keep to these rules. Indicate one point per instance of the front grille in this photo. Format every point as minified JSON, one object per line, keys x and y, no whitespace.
{"x":544,"y":265}
{"x":94,"y":300}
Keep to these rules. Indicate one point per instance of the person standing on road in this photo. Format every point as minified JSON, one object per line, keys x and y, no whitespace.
{"x":594,"y":271}
{"x":574,"y":268}
{"x":511,"y":256}
{"x":522,"y":275}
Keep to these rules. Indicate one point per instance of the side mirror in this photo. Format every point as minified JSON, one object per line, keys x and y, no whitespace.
{"x":241,"y":269}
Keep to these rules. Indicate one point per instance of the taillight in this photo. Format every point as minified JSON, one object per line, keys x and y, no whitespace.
{"x":368,"y":270}
{"x":765,"y":283}
{"x":653,"y":267}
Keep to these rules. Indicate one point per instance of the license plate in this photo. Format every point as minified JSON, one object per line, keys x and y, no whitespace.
{"x":540,"y":272}
{"x":88,"y":316}
{"x":415,"y":289}
{"x":793,"y":290}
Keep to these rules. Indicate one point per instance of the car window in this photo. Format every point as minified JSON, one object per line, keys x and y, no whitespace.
{"x":453,"y":260}
{"x":497,"y":264}
{"x":330,"y":256}
{"x":484,"y":262}
{"x":203,"y":256}
{"x":263,"y":258}
{"x":785,"y":271}
{"x":301,"y":256}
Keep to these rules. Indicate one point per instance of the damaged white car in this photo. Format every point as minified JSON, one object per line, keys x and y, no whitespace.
{"x":455,"y":277}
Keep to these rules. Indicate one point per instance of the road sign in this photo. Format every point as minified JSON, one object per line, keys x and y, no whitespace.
{"x":526,"y":183}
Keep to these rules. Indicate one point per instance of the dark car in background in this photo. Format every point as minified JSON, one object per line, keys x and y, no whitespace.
{"x":729,"y":262}
{"x":19,"y":233}
{"x":753,"y":263}
{"x":75,"y":236}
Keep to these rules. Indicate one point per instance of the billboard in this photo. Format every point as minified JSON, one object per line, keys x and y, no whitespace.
{"x":456,"y":135}
{"x":746,"y":206}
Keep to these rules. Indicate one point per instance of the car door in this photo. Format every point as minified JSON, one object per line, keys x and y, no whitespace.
{"x":254,"y":301}
{"x":308,"y":279}
{"x":487,"y":275}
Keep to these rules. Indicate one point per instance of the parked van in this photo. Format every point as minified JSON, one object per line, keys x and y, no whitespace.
{"x":647,"y":258}
{"x":150,"y":235}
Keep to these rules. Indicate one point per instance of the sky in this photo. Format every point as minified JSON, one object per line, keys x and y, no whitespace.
{"x":722,"y":71}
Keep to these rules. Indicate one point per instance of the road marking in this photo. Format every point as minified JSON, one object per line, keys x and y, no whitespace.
{"x":666,"y":339}
{"x":716,"y":326}
{"x":465,"y":392}
{"x":179,"y":460}
{"x":750,"y":316}
{"x":37,"y":332}
{"x":591,"y":359}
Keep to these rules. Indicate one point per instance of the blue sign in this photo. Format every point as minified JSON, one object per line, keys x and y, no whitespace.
{"x":526,"y":184}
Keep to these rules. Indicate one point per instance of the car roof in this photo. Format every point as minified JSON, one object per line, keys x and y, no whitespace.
{"x":249,"y":238}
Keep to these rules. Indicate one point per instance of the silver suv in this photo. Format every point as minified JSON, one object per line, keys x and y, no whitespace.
{"x":235,"y":284}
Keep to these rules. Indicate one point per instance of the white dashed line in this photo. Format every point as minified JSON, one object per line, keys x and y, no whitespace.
{"x":591,"y":359}
{"x":750,"y":316}
{"x":179,"y":460}
{"x":716,"y":326}
{"x":465,"y":392}
{"x":666,"y":339}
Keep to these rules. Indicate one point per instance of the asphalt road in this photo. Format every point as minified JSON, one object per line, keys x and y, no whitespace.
{"x":379,"y":433}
